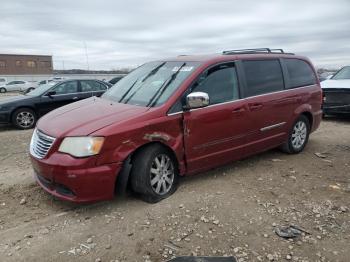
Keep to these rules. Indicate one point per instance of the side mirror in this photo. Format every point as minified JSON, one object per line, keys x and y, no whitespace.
{"x":197,"y":100}
{"x":51,"y":93}
{"x":329,"y":77}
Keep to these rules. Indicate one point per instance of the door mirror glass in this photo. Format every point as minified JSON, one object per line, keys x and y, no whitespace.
{"x":197,"y":100}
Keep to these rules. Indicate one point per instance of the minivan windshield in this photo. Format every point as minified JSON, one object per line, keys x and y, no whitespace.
{"x":150,"y":84}
{"x":343,"y":73}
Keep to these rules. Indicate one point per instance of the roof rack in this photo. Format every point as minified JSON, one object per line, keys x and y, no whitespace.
{"x":256,"y":51}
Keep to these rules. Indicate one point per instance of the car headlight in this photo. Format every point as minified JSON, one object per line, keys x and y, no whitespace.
{"x":81,"y":146}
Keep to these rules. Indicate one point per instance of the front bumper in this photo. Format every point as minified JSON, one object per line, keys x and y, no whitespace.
{"x":76,"y":180}
{"x":5,"y":117}
{"x":336,"y":109}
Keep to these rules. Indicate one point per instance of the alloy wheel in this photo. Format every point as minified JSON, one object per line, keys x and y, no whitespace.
{"x":299,"y":134}
{"x":25,"y":119}
{"x":162,"y":174}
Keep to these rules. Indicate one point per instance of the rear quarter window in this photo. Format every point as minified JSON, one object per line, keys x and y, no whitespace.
{"x":300,"y":73}
{"x":262,"y":77}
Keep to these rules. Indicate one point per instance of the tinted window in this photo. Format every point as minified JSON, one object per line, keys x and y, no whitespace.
{"x":300,"y":73}
{"x":91,"y":86}
{"x":66,"y":88}
{"x":220,"y":83}
{"x":264,"y":76}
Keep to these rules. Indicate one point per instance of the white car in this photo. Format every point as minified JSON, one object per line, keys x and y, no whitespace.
{"x":18,"y":85}
{"x":336,"y":93}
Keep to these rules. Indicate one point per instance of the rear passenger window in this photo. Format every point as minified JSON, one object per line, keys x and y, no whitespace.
{"x":91,"y":86}
{"x":220,"y":83}
{"x":300,"y":73}
{"x":262,"y":77}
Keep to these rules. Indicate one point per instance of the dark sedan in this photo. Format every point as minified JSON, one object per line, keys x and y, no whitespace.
{"x":24,"y":110}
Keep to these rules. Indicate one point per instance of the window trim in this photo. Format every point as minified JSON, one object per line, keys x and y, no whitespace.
{"x":190,"y":86}
{"x":244,"y":79}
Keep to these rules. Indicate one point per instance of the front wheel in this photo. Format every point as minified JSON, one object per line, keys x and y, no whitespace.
{"x":154,"y":173}
{"x":298,"y":136}
{"x":3,"y":90}
{"x":24,"y":118}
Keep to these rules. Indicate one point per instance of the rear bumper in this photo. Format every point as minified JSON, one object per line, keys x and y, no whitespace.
{"x":77,"y":183}
{"x":317,"y":118}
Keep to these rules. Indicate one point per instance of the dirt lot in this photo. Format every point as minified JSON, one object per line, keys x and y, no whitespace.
{"x":232,"y":210}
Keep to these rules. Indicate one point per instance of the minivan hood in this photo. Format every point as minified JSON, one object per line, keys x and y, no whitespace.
{"x":344,"y":83}
{"x":87,"y":116}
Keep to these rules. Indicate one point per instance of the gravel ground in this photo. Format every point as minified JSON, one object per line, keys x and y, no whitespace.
{"x":232,"y":210}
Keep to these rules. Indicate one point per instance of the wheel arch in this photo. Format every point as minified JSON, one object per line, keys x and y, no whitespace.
{"x":123,"y":178}
{"x":22,"y":107}
{"x":309,"y":117}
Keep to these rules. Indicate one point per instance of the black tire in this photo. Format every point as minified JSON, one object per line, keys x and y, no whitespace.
{"x":142,"y":176}
{"x":24,"y":118}
{"x":3,"y":90}
{"x":291,"y":146}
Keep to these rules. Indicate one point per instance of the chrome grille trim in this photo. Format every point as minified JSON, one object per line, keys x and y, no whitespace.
{"x":40,"y":144}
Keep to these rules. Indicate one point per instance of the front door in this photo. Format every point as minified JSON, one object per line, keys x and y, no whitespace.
{"x":215,"y":135}
{"x":66,"y":92}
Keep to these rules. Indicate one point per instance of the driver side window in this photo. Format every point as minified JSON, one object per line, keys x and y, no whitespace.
{"x":220,"y":83}
{"x":66,"y":88}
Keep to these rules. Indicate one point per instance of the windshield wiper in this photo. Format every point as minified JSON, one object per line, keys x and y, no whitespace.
{"x":163,"y":87}
{"x":127,"y":92}
{"x":154,"y":71}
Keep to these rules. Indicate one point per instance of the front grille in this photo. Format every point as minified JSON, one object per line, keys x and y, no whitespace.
{"x":337,"y":96}
{"x":40,"y":144}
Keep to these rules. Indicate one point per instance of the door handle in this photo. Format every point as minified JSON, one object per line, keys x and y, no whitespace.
{"x":254,"y":107}
{"x":238,"y":110}
{"x":75,"y":98}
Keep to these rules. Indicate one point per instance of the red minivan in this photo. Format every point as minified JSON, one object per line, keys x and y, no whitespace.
{"x":176,"y":117}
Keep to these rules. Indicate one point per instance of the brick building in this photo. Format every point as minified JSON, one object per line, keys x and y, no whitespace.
{"x":25,"y":64}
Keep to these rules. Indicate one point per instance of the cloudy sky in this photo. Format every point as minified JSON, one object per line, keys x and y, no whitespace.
{"x":121,"y":33}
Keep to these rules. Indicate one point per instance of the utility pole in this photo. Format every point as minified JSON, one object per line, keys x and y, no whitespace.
{"x":87,"y":57}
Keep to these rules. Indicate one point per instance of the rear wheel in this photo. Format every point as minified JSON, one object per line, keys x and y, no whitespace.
{"x":298,"y":136}
{"x":3,"y":90}
{"x":24,"y":118}
{"x":154,"y":173}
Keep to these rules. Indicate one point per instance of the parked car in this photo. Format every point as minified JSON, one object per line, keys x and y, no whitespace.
{"x":176,"y":117}
{"x":3,"y":81}
{"x":18,"y":85}
{"x":24,"y":110}
{"x":115,"y":79}
{"x":45,"y":82}
{"x":336,"y":93}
